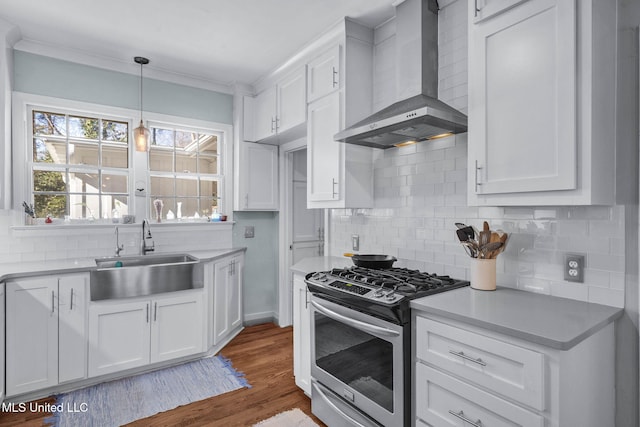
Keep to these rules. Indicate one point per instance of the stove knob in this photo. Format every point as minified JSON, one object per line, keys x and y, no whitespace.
{"x":378,"y":293}
{"x":390,"y":296}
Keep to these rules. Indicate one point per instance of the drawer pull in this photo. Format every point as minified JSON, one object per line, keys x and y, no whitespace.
{"x":465,"y":357}
{"x":461,"y":415}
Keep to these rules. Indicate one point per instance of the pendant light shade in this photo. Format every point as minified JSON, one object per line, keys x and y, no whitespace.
{"x":141,"y":133}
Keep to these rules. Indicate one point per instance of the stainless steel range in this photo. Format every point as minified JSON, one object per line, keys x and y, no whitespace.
{"x":361,"y":342}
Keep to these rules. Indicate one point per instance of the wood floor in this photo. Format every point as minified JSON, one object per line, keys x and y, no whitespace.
{"x":265,"y":354}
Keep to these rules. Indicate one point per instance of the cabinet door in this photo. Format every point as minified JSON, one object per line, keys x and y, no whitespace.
{"x":119,"y":334}
{"x":32,"y":334}
{"x":72,"y":327}
{"x":234,"y":293}
{"x":483,"y":9}
{"x":221,"y":309}
{"x":292,"y":101}
{"x":324,"y":154}
{"x":301,"y":337}
{"x":260,"y":177}
{"x":265,"y":114}
{"x":177,"y":326}
{"x":323,"y":74}
{"x":522,"y":99}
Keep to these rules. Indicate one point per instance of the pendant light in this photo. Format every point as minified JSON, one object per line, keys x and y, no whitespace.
{"x":141,"y":133}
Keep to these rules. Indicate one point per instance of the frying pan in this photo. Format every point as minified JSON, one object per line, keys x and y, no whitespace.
{"x":377,"y":262}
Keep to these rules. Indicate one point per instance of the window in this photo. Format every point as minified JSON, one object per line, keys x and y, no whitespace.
{"x":79,"y":165}
{"x":184,"y":172}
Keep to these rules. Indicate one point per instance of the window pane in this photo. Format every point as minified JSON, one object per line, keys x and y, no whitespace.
{"x":208,"y":164}
{"x":83,"y":127}
{"x":112,"y":203}
{"x":209,"y":188}
{"x":209,"y":144}
{"x":83,"y":182}
{"x":113,"y":131}
{"x":84,"y":206}
{"x":49,"y":123}
{"x":84,"y":154}
{"x":188,"y":207}
{"x":47,"y":150}
{"x":188,"y":141}
{"x":114,"y":183}
{"x":160,"y":160}
{"x":162,"y":137}
{"x":49,"y":181}
{"x":115,"y":157}
{"x":186,"y":162}
{"x":186,"y":187}
{"x":45,"y":204}
{"x":162,"y":186}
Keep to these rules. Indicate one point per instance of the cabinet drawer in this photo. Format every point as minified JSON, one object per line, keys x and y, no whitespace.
{"x":505,"y":368}
{"x":442,"y":400}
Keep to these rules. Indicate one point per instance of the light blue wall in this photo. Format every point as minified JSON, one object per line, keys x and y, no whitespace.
{"x":47,"y":76}
{"x":261,"y":262}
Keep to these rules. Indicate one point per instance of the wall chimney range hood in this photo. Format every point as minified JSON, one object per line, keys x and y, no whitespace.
{"x":419,"y":115}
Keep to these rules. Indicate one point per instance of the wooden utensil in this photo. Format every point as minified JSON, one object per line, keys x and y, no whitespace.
{"x":486,"y":251}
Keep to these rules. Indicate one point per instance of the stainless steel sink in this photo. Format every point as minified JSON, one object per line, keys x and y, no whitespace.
{"x":134,"y":276}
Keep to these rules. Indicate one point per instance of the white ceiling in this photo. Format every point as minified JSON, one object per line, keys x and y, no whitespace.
{"x":221,"y":41}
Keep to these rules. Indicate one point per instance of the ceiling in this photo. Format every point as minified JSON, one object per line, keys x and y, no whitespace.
{"x":221,"y":41}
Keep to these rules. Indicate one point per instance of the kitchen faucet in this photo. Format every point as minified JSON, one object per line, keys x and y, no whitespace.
{"x":119,"y":247}
{"x":147,"y":240}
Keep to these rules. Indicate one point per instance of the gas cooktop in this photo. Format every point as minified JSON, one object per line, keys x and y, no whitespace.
{"x":383,"y":293}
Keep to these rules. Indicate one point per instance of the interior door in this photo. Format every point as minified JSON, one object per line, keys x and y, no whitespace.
{"x":307,"y":224}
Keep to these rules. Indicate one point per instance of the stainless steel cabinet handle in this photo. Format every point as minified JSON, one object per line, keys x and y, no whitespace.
{"x":478,"y":168}
{"x":277,"y":123}
{"x":469,"y":358}
{"x":335,"y":76}
{"x":354,"y":323}
{"x":475,"y":8}
{"x":53,"y":302}
{"x":273,"y":124}
{"x":306,"y":297}
{"x":155,"y":312}
{"x":461,"y":415}
{"x":334,"y":183}
{"x":147,"y":312}
{"x":71,"y":299}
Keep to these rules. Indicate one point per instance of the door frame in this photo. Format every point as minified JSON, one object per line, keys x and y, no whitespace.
{"x":285,"y":231}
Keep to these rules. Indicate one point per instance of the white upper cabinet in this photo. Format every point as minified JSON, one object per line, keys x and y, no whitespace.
{"x":340,"y":175}
{"x":323,"y":74}
{"x":541,"y":102}
{"x":278,"y":110}
{"x":257,"y":177}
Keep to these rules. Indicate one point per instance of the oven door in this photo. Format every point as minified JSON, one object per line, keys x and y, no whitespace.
{"x":360,"y":358}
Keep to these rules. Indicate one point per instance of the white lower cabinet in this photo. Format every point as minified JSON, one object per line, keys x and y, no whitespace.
{"x":227,"y":298}
{"x":301,"y":334}
{"x":2,"y":358}
{"x":466,"y":375}
{"x":130,"y":334}
{"x":45,"y":332}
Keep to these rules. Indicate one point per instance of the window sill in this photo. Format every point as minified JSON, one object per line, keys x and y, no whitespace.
{"x":61,"y":226}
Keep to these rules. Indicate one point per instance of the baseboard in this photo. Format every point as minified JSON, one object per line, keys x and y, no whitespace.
{"x":258,"y":318}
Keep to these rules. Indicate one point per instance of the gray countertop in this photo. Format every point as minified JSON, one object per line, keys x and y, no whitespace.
{"x":555,"y":322}
{"x":64,"y":266}
{"x":320,"y":263}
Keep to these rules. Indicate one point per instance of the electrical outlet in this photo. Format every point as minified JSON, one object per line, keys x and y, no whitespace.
{"x":355,"y":242}
{"x":574,"y":268}
{"x":249,"y":232}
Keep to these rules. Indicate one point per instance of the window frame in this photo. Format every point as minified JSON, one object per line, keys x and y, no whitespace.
{"x":138,"y":162}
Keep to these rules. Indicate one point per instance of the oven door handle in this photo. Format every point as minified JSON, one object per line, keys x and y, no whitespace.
{"x":355,"y":323}
{"x":335,"y":407}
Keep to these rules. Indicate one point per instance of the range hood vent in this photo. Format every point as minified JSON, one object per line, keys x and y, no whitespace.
{"x":419,"y":115}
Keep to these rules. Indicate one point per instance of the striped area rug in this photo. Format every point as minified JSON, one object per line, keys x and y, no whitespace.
{"x":128,"y":399}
